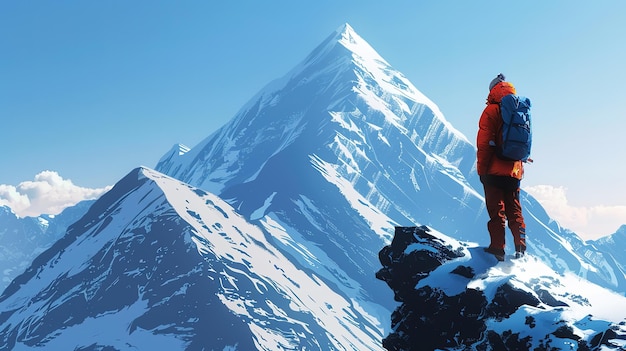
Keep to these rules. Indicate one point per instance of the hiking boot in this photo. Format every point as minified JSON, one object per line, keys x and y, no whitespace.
{"x":498,"y":253}
{"x":520,"y":250}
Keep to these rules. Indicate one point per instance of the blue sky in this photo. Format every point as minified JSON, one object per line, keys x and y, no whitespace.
{"x":92,"y":89}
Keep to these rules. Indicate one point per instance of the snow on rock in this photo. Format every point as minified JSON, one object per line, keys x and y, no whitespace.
{"x":455,"y":296}
{"x":265,"y":236}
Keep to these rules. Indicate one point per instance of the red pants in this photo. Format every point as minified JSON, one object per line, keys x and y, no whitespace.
{"x":503,"y":204}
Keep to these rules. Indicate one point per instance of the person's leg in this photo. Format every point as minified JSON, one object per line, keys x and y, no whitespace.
{"x":515,"y":219}
{"x":495,"y":208}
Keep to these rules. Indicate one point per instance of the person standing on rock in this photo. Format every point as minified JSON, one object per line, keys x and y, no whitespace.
{"x":500,"y":177}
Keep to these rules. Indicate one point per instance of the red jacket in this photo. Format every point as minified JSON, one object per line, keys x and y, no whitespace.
{"x":489,"y":135}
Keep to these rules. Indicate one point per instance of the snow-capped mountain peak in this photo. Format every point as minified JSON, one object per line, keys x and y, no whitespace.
{"x":266,"y":235}
{"x":157,"y":263}
{"x":374,"y":67}
{"x":352,"y":53}
{"x":343,"y":99}
{"x":344,"y":122}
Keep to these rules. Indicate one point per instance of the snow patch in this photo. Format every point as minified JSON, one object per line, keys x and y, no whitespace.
{"x":378,"y":221}
{"x":260,"y":212}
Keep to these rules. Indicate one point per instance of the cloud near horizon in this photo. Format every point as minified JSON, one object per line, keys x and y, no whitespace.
{"x":589,"y":223}
{"x":49,"y":194}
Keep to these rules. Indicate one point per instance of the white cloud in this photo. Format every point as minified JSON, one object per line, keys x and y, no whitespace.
{"x":49,"y":193}
{"x":589,"y":223}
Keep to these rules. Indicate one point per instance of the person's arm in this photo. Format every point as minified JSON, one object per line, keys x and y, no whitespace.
{"x":486,"y":139}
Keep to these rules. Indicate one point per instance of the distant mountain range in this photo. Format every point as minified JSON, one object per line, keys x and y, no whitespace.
{"x":22,"y":239}
{"x":266,"y":234}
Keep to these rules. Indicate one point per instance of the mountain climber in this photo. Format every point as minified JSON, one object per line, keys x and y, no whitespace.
{"x":500,"y":178}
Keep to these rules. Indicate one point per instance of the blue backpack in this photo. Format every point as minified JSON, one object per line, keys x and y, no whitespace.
{"x":516,"y":128}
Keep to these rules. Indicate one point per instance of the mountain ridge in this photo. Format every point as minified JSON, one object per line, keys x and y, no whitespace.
{"x":267,"y":233}
{"x":148,"y":257}
{"x":363,"y":127}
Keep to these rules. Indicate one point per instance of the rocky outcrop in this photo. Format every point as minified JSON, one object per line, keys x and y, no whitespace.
{"x":453,"y":297}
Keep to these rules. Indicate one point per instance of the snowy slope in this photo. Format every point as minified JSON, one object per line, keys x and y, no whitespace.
{"x":333,"y":155}
{"x":611,"y":248}
{"x":344,"y":143}
{"x":158,"y":264}
{"x":564,"y":251}
{"x":266,"y":234}
{"x":457,"y":297}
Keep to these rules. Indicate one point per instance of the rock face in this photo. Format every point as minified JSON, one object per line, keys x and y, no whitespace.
{"x":454,"y":296}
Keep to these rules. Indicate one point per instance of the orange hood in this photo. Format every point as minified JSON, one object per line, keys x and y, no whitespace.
{"x":499,"y":91}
